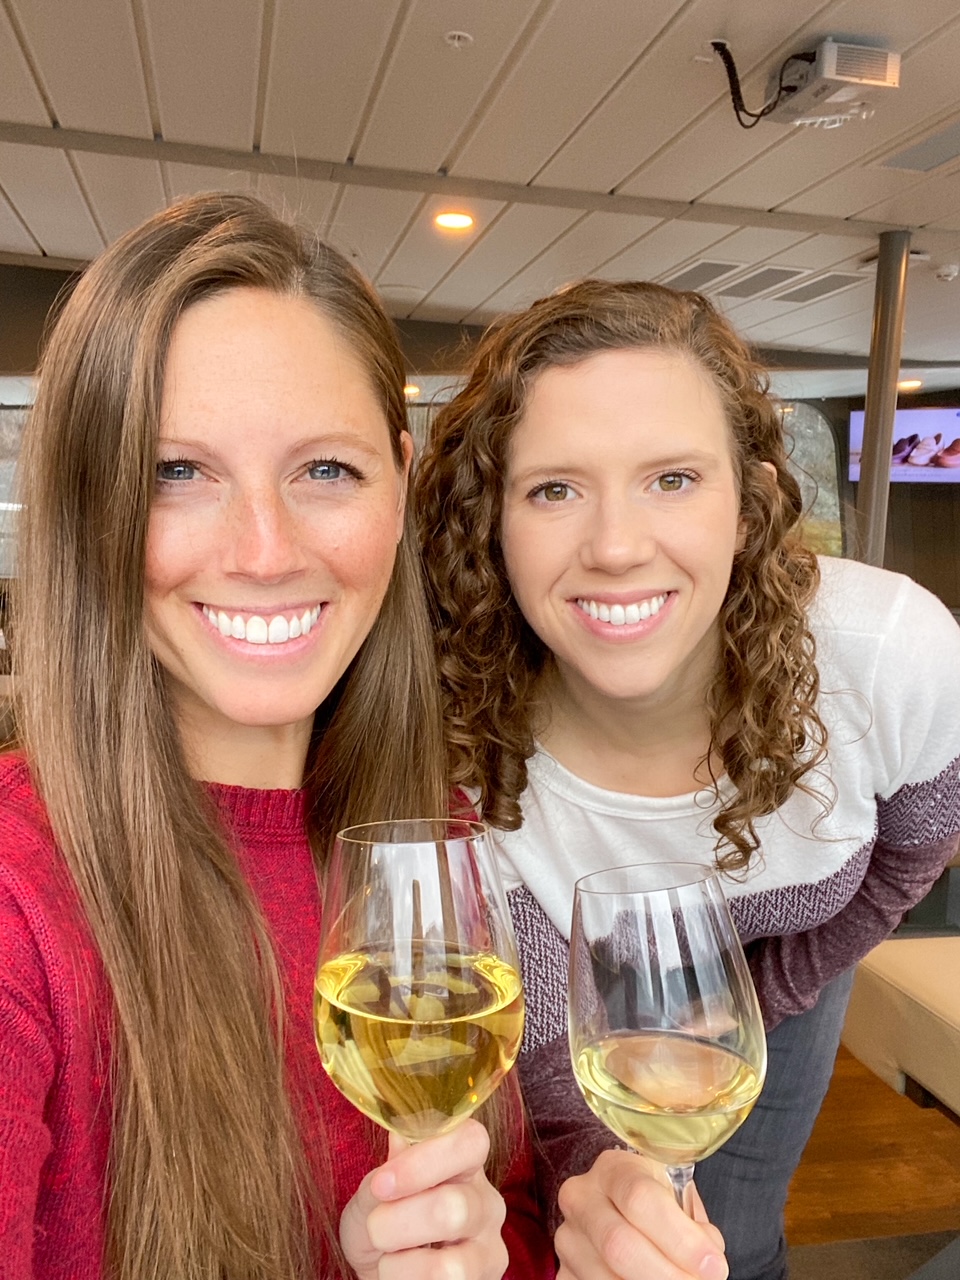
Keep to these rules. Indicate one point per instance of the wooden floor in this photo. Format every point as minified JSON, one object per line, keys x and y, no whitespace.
{"x":876,"y":1165}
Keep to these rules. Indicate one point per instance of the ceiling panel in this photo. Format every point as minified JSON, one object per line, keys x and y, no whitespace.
{"x":430,"y":89}
{"x":810,"y":156}
{"x":191,"y":179}
{"x":40,"y":185}
{"x":852,"y":191}
{"x":66,"y":40}
{"x":819,"y":252}
{"x":308,"y":203}
{"x":20,"y":99}
{"x":926,"y":202}
{"x":312,"y":107}
{"x":517,"y":236}
{"x":427,"y":253}
{"x":668,"y":245}
{"x":368,"y":223}
{"x":646,"y":110}
{"x":205,"y":60}
{"x":586,"y":246}
{"x":13,"y":237}
{"x":122,"y":192}
{"x":571,"y":62}
{"x":756,"y":244}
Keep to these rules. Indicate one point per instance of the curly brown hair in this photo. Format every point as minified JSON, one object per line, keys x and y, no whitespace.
{"x":764,"y":725}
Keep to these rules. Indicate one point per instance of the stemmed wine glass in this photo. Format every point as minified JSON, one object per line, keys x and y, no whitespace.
{"x":666,"y":1036}
{"x":418,"y":1007}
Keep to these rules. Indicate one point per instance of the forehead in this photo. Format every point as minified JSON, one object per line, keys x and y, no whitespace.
{"x":634,"y":385}
{"x":246,"y":342}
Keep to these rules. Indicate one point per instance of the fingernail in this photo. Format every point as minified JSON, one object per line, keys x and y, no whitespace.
{"x":713,"y":1267}
{"x":386,"y":1184}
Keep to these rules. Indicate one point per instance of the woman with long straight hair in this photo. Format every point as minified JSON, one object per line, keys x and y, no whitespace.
{"x":222,"y":657}
{"x":641,"y":661}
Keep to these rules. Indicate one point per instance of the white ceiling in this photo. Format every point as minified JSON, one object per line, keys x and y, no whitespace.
{"x":585,"y":136}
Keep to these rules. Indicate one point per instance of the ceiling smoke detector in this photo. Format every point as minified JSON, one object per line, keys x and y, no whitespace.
{"x":837,"y":85}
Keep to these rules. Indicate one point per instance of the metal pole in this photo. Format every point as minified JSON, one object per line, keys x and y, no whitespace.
{"x":888,"y":305}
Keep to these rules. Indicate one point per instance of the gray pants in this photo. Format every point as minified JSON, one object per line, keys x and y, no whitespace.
{"x":744,"y":1185}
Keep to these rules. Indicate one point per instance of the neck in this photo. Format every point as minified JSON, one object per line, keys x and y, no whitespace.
{"x":652,"y":746}
{"x":265,"y":758}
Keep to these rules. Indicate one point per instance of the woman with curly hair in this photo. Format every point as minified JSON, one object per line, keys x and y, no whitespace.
{"x":641,"y":661}
{"x":222,"y":656}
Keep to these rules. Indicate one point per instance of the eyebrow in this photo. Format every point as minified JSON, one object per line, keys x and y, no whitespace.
{"x":321,"y":440}
{"x":695,"y":457}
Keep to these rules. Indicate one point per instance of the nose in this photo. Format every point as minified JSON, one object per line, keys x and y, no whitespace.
{"x":620,"y":535}
{"x":263,"y":539}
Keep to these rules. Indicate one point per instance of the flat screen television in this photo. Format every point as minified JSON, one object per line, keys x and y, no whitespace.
{"x":926,"y":445}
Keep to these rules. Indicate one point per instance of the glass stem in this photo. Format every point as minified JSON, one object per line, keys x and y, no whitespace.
{"x":681,"y":1179}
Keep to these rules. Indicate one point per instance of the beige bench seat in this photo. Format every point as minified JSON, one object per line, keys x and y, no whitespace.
{"x":903,"y":1021}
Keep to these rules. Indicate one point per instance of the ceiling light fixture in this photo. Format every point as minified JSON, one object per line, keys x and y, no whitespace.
{"x":411,"y":391}
{"x":454,"y":221}
{"x":910,"y":384}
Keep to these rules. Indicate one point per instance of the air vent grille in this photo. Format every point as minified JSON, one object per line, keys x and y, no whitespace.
{"x":699,"y":274}
{"x":820,"y":288}
{"x":759,"y":281}
{"x":929,"y":154}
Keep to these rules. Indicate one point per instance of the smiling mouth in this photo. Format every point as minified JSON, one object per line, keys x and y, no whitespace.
{"x":256,"y":629}
{"x":620,"y":615}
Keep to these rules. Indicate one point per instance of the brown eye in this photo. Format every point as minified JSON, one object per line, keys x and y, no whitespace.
{"x":671,"y":482}
{"x":556,"y":491}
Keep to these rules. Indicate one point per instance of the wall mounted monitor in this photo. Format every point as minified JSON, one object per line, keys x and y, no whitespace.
{"x":926,"y":445}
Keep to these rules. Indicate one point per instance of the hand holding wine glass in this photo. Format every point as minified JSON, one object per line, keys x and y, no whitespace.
{"x":418,"y":1012}
{"x":666,"y":1036}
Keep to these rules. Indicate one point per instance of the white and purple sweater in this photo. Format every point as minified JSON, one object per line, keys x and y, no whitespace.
{"x":828,"y":885}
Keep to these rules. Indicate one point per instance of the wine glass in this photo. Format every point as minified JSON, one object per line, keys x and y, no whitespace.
{"x":666,"y":1036}
{"x":418,"y":1006}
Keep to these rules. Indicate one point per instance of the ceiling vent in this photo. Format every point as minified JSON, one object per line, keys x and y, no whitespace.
{"x":822,"y":287}
{"x":759,"y":282}
{"x":699,"y":274}
{"x":922,"y":157}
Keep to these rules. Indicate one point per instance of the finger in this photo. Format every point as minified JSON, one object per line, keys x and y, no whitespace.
{"x":453,"y":1212}
{"x":471,"y":1260}
{"x":610,"y":1248}
{"x":457,"y":1155}
{"x":700,"y":1215}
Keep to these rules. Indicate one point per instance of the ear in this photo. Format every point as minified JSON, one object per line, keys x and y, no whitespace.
{"x":406,"y":449}
{"x":771,"y":471}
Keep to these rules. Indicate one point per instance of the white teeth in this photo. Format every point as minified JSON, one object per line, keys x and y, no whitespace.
{"x":278,"y":631}
{"x":257,"y":630}
{"x":619,"y":615}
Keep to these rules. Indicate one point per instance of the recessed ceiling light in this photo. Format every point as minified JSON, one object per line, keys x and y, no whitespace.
{"x":454,"y":221}
{"x":411,"y":391}
{"x":910,"y":384}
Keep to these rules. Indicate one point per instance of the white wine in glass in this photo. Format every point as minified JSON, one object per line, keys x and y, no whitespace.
{"x":666,"y":1037}
{"x":418,"y":1006}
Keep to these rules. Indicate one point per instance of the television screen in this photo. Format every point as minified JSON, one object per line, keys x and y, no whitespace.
{"x":926,"y":445}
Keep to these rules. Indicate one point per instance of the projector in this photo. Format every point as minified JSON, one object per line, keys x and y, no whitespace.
{"x":833,"y":85}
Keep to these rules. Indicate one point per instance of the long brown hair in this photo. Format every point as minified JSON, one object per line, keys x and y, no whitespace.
{"x":764,"y":723}
{"x":206,"y":1173}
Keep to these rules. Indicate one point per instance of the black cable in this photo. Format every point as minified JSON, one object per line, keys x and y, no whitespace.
{"x":740,"y":108}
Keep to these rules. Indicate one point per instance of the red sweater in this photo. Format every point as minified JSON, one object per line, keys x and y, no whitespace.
{"x":54,"y":1050}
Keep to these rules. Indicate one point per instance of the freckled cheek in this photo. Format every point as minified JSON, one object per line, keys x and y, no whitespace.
{"x":362,"y":552}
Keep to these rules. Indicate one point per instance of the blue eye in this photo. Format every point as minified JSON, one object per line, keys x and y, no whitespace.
{"x":176,"y":469}
{"x":326,"y":471}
